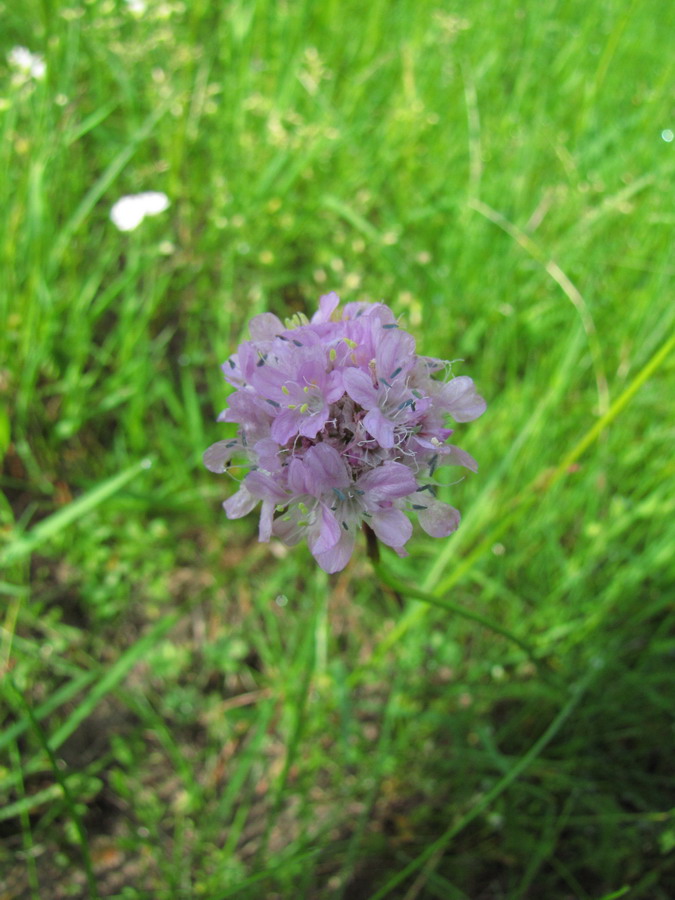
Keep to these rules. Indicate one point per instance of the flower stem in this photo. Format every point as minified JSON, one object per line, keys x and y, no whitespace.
{"x":372,"y":547}
{"x":404,"y":589}
{"x":373,"y":551}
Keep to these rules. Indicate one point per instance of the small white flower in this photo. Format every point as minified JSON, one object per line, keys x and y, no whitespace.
{"x":137,"y":7}
{"x":31,"y":65}
{"x":129,"y":211}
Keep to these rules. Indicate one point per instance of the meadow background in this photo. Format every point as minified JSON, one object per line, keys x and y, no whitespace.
{"x":188,"y":713}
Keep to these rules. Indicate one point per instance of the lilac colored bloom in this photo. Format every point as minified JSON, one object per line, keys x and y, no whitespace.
{"x":341,"y":423}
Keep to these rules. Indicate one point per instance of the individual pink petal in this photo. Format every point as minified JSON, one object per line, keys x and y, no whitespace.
{"x":391,"y":526}
{"x":265,"y":487}
{"x":335,"y":559}
{"x":298,"y":480}
{"x":265,"y":327}
{"x":265,"y":524}
{"x":381,"y":428}
{"x":389,"y":481}
{"x":457,"y":457}
{"x":438,"y":519}
{"x":285,"y":426}
{"x":311,"y":425}
{"x":334,"y":388}
{"x":328,"y":303}
{"x":461,"y":400}
{"x":359,"y":386}
{"x":325,"y":469}
{"x":240,"y":504}
{"x":395,"y":353}
{"x":326,"y":535}
{"x":267,"y":452}
{"x":218,"y":455}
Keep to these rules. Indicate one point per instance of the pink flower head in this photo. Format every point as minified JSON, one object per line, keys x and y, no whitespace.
{"x":341,"y":423}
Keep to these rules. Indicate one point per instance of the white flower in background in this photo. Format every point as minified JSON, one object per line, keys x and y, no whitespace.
{"x":137,"y":7}
{"x":30,"y":65}
{"x":129,"y":211}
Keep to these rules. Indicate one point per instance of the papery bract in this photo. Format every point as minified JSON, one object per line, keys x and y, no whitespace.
{"x":341,"y":424}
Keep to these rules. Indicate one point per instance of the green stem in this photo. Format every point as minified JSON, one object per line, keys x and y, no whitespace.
{"x":401,"y":588}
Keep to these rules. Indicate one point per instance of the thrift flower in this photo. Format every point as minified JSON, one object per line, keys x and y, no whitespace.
{"x":128,"y":212}
{"x":341,"y":424}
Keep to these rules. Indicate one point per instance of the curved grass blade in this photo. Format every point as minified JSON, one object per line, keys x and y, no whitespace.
{"x":67,"y":796}
{"x":25,"y":544}
{"x":437,"y":848}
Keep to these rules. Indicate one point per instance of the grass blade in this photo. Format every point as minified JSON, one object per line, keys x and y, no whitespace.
{"x":24,"y":545}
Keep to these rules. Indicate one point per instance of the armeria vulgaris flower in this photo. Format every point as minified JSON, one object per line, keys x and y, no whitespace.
{"x":341,"y":423}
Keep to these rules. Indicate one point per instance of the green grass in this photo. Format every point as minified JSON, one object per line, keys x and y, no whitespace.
{"x":188,"y":713}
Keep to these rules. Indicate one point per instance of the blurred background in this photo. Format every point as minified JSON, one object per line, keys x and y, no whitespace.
{"x":189,"y":713}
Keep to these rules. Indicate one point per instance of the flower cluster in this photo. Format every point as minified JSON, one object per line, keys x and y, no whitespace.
{"x":341,"y":423}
